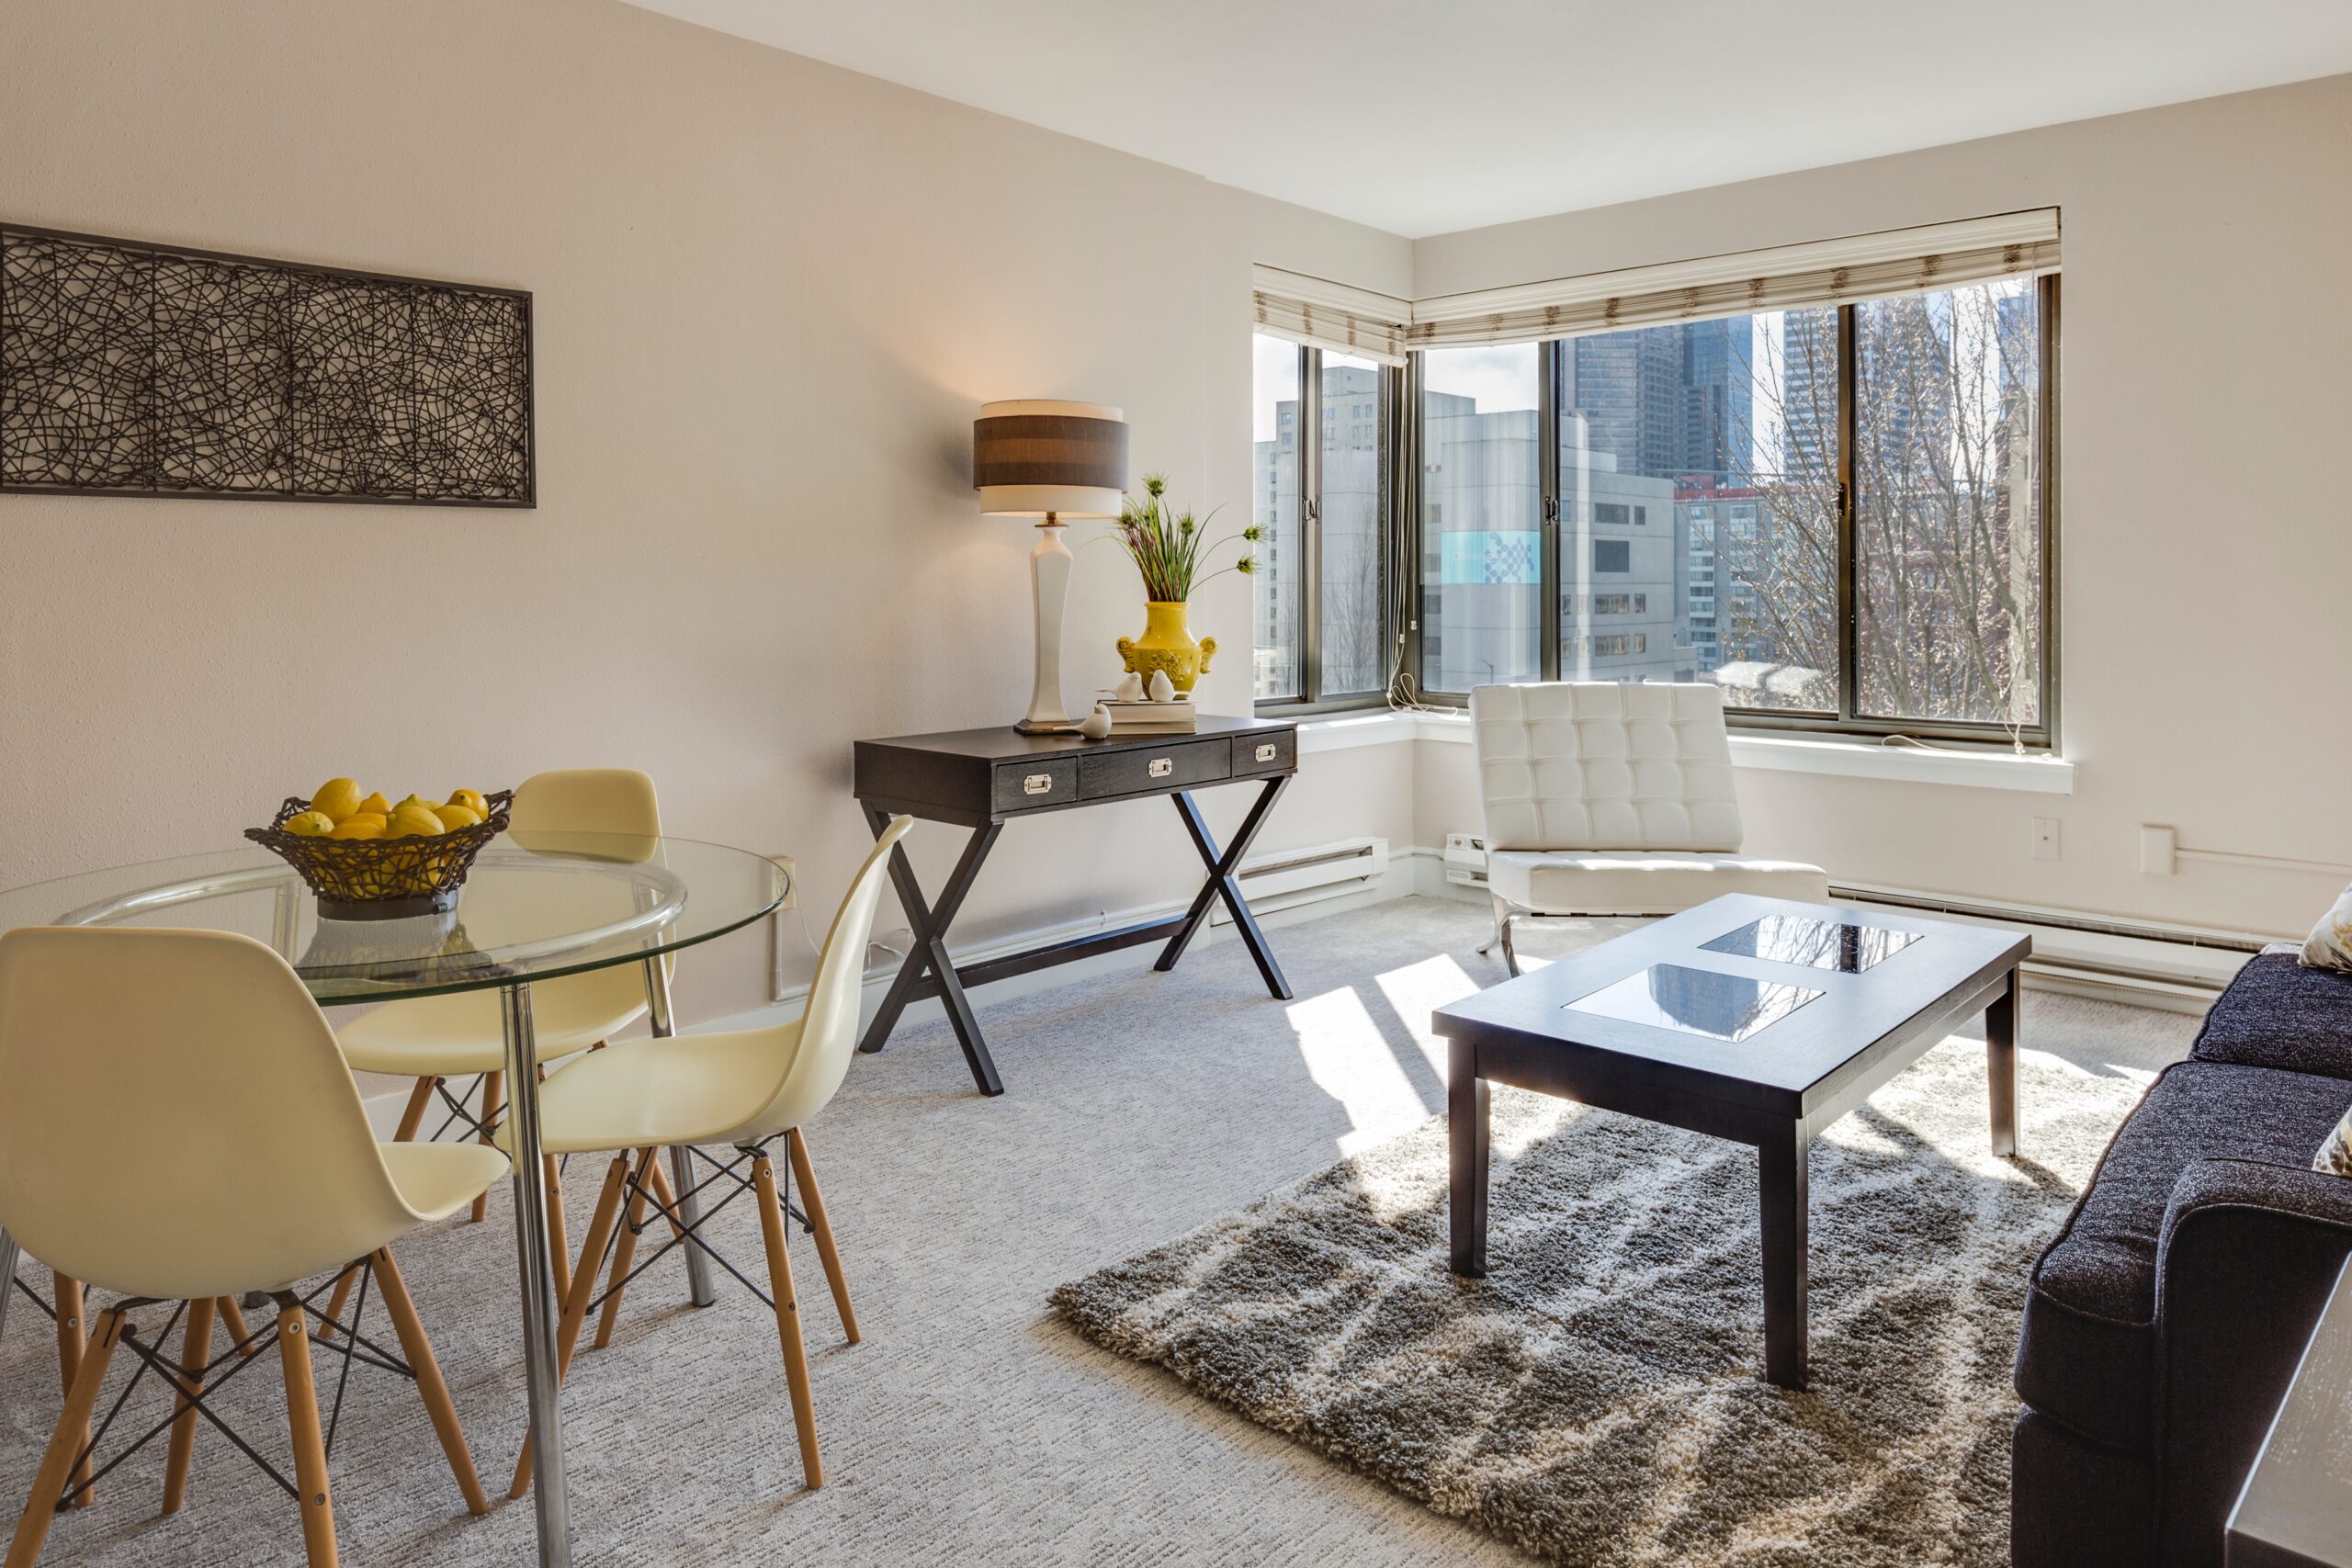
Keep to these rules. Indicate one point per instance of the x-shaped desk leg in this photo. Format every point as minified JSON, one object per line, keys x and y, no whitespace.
{"x":928,"y":950}
{"x":1221,"y":884}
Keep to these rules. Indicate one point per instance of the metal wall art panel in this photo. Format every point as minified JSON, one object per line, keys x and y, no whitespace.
{"x":129,"y":369}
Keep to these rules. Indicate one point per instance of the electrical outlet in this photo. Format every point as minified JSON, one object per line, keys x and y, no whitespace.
{"x":2045,"y":838}
{"x":791,"y":882}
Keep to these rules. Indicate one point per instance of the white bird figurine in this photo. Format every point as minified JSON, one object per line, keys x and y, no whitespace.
{"x":1096,"y":725}
{"x":1164,"y":690}
{"x":1130,"y":688}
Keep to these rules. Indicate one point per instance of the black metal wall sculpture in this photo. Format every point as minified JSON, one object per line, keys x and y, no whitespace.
{"x":129,"y":369}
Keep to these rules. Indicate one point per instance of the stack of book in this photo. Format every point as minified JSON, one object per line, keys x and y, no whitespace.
{"x":1149,"y":718}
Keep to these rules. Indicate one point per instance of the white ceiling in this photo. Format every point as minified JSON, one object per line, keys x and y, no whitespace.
{"x":1421,"y":117}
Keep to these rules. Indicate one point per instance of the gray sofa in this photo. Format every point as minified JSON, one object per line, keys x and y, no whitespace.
{"x":2164,"y":1323}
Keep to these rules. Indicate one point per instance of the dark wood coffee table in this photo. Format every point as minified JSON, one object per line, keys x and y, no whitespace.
{"x":1752,"y":1018}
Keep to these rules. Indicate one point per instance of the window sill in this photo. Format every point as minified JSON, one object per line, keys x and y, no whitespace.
{"x":2033,"y":774}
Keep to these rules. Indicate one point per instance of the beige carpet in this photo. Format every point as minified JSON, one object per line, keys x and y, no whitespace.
{"x":972,"y":1424}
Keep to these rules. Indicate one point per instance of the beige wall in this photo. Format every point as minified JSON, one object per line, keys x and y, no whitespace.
{"x":2207,"y":559}
{"x":770,"y":295}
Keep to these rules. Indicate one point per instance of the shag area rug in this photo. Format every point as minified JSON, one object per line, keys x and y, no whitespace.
{"x":1597,"y":1399}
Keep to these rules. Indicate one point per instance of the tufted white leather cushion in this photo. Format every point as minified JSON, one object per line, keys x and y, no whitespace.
{"x":1593,"y":765}
{"x":1643,"y":882}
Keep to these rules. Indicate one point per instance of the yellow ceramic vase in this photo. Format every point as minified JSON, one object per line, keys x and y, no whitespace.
{"x":1167,"y":644}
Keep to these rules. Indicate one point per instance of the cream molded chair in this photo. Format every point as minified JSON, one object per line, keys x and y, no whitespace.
{"x":1607,"y":799}
{"x":434,"y":1039}
{"x":178,"y":1127}
{"x":746,"y":1088}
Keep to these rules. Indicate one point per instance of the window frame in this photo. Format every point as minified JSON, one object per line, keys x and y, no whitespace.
{"x":1311,"y":698}
{"x":1849,"y":721}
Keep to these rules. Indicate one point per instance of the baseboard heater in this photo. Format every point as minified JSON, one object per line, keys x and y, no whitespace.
{"x":1287,"y":878}
{"x":2184,"y":961}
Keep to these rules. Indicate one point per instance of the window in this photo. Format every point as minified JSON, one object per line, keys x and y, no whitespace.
{"x":1322,"y":508}
{"x":1837,"y":514}
{"x":1482,"y":572}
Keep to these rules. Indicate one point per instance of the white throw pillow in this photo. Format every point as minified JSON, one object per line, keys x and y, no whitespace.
{"x":2335,"y":1157}
{"x":2330,"y":945}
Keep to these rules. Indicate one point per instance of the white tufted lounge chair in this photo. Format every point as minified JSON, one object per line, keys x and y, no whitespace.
{"x":1607,"y":799}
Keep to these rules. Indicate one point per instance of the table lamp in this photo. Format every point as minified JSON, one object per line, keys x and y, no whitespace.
{"x":1049,"y":460}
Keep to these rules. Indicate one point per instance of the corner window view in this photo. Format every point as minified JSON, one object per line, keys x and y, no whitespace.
{"x":1697,"y":476}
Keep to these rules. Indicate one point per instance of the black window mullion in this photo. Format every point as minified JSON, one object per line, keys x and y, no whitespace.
{"x":1849,"y":638}
{"x":1548,"y":532}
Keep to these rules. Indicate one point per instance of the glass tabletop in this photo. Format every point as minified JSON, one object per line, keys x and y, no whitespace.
{"x":535,"y":905}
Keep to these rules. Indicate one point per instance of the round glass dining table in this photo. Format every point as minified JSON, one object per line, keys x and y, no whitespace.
{"x":536,"y":906}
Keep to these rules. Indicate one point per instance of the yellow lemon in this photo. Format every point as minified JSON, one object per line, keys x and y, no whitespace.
{"x":456,"y":816}
{"x":355,"y":827}
{"x":376,"y":818}
{"x":310,"y":825}
{"x":377,"y":804}
{"x":338,"y":799}
{"x":471,"y":800}
{"x":408,"y":820}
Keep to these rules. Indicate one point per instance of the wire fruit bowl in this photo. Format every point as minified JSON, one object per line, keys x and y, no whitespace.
{"x":382,"y":879}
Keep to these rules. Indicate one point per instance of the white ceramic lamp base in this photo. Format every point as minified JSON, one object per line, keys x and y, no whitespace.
{"x":1049,"y":578}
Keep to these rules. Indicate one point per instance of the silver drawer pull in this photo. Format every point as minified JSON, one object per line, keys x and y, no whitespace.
{"x":1161,"y":767}
{"x":1266,"y":752}
{"x":1037,"y":784}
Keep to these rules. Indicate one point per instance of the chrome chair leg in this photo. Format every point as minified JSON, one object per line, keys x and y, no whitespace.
{"x":1511,"y":957}
{"x":1497,"y":899}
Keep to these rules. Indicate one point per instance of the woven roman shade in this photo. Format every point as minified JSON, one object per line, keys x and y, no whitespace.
{"x":1335,"y":316}
{"x":1827,"y":272}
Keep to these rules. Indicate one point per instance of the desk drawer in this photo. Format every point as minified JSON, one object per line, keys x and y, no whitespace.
{"x":1265,"y":753}
{"x":1040,"y":780}
{"x":1178,"y":764}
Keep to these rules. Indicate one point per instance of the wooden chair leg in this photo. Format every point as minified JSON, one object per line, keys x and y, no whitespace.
{"x":73,"y":1336}
{"x":234,"y":1316}
{"x":667,"y":1199}
{"x":310,"y":1442}
{"x":559,"y":1242}
{"x":796,"y":1145}
{"x":341,"y":1298}
{"x":419,"y":1351}
{"x":493,"y":1087}
{"x":411,"y":1118}
{"x":788,"y":1320}
{"x":575,"y":1302}
{"x":624,"y":1252}
{"x":195,"y":1352}
{"x":64,"y":1443}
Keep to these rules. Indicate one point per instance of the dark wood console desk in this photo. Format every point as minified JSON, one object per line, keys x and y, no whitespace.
{"x":981,"y":779}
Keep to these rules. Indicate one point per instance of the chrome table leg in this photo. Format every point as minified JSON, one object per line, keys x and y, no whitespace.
{"x":531,"y":1248}
{"x":681,"y":1164}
